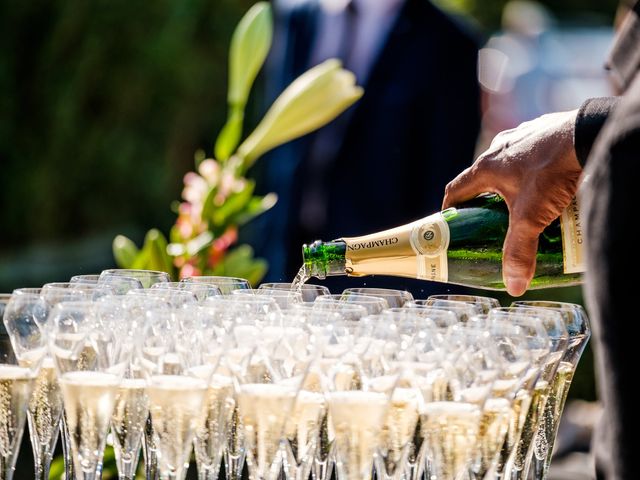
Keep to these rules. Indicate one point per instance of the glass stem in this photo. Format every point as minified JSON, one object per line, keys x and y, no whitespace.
{"x":207,"y":473}
{"x":150,"y":457}
{"x":540,"y":469}
{"x":66,"y":449}
{"x":234,"y":466}
{"x":6,"y":469}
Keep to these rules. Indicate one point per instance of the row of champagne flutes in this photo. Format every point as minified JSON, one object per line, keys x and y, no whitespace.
{"x":437,"y":387}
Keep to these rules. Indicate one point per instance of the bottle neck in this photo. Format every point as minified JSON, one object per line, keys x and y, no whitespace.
{"x":324,"y":259}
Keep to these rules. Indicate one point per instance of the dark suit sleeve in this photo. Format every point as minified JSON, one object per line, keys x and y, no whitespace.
{"x":610,"y":210}
{"x":591,"y":117}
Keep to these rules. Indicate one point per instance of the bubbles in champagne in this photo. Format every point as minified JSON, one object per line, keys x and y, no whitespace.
{"x":128,"y":422}
{"x":491,"y":432}
{"x":212,"y":435}
{"x":399,"y":427}
{"x":356,"y":417}
{"x":264,"y":408}
{"x":531,"y":422}
{"x":450,"y":430}
{"x":15,"y":388}
{"x":89,"y":399}
{"x":548,"y":426}
{"x":44,"y":411}
{"x":175,"y":403}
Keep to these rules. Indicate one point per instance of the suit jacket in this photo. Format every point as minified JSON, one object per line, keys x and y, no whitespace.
{"x":414,"y":129}
{"x":613,"y":171}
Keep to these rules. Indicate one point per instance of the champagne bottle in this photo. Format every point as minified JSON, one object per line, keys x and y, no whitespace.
{"x":459,"y":245}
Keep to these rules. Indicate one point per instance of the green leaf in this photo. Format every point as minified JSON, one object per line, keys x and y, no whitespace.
{"x":250,"y":44}
{"x":230,"y":135}
{"x":209,"y":206}
{"x":235,"y":203}
{"x":154,"y":253}
{"x":239,"y":262}
{"x":124,"y":251}
{"x":255,"y":207}
{"x":56,"y":472}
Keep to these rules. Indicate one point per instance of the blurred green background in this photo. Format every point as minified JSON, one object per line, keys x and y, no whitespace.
{"x":104,"y":104}
{"x":102,"y":107}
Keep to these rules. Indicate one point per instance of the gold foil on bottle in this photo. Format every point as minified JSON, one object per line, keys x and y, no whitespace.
{"x":415,"y":250}
{"x":572,"y":239}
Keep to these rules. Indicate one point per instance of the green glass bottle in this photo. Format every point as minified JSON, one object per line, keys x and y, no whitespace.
{"x":459,"y":245}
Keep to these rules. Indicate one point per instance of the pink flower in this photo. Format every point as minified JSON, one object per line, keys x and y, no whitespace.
{"x":210,"y":170}
{"x":189,"y":270}
{"x":195,"y":188}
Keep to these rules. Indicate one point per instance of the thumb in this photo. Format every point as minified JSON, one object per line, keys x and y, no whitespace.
{"x":519,"y":256}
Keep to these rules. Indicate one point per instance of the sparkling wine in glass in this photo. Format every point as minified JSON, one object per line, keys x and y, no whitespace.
{"x":90,"y":359}
{"x":16,"y":385}
{"x":26,"y":321}
{"x":577,"y":324}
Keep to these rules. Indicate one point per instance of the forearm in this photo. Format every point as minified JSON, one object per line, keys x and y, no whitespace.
{"x":591,"y":117}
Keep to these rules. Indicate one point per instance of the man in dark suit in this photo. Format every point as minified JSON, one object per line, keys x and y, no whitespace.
{"x":385,"y":161}
{"x":537,"y":167}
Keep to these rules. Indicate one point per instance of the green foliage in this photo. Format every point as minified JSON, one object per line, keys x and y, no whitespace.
{"x":218,"y":198}
{"x":239,"y":262}
{"x":250,"y":44}
{"x":103,"y":105}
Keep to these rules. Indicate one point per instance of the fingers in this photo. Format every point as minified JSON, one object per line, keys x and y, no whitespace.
{"x":467,"y":185}
{"x":519,"y":256}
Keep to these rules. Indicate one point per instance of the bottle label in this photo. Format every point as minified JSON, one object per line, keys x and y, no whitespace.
{"x":572,"y":240}
{"x":429,"y":240}
{"x":415,"y":250}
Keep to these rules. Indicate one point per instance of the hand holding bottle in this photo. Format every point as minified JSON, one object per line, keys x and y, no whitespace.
{"x":535,"y":169}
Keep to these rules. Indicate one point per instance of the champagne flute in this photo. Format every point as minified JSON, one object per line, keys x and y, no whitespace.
{"x":241,"y":316}
{"x":357,"y":407}
{"x":16,"y":385}
{"x":145,"y":277}
{"x":269,"y":367}
{"x":463,"y":310}
{"x":451,"y":416}
{"x":131,"y":408}
{"x":225,"y":284}
{"x":54,"y":293}
{"x":554,"y":327}
{"x":398,"y":455}
{"x":219,"y":404}
{"x":125,"y":281}
{"x":90,"y":362}
{"x":348,"y":311}
{"x":176,"y":382}
{"x":511,"y":346}
{"x":309,"y":291}
{"x":89,"y":278}
{"x":128,"y":421}
{"x":25,"y":319}
{"x":539,"y":345}
{"x":285,"y":299}
{"x":440,"y":318}
{"x":201,"y":291}
{"x":395,"y":298}
{"x":374,"y":305}
{"x":577,"y":324}
{"x":484,"y":303}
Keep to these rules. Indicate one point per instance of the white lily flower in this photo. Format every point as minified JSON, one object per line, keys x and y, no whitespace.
{"x":312,"y":100}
